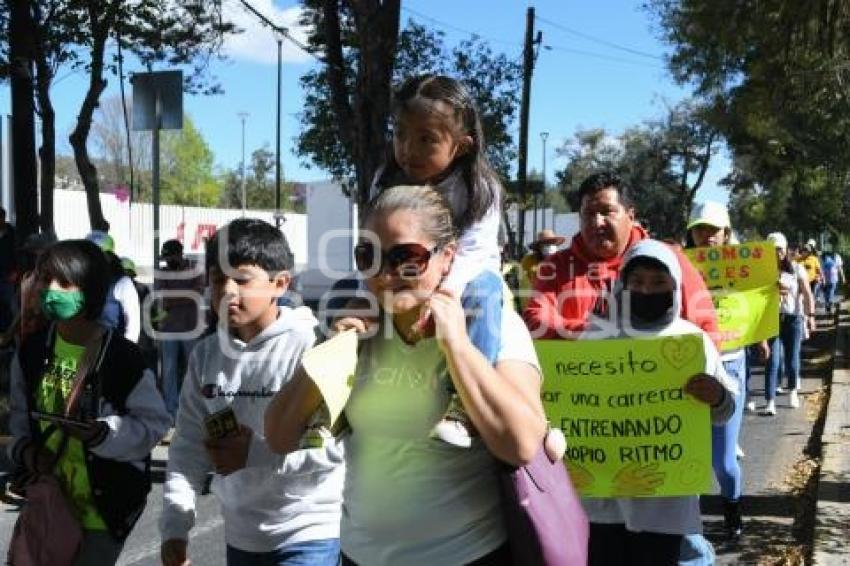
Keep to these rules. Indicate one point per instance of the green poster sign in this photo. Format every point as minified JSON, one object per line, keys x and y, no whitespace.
{"x":743,"y":284}
{"x":631,"y":429}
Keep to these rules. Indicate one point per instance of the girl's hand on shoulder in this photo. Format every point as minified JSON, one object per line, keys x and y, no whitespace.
{"x":361,"y":324}
{"x":705,"y":388}
{"x":448,"y":316}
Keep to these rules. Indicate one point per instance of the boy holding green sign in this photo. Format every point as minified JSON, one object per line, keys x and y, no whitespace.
{"x":646,"y":529}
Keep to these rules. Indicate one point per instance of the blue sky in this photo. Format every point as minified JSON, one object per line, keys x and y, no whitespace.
{"x":604,"y":68}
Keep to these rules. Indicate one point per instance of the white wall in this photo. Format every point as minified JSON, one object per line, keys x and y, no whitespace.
{"x":331,"y":234}
{"x":132,"y":226}
{"x":564,"y":224}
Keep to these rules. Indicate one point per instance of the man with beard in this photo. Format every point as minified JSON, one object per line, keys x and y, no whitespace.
{"x":575,"y":293}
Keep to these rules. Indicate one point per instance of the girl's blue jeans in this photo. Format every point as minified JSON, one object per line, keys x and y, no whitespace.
{"x":784,"y":351}
{"x":724,"y":438}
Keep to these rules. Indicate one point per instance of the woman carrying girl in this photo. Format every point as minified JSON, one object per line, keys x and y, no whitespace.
{"x":407,"y":499}
{"x":438,"y":140}
{"x":83,"y":405}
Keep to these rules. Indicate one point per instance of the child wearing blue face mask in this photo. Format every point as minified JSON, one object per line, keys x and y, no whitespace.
{"x":97,"y":380}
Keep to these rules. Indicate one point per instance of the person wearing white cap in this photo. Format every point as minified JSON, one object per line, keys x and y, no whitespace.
{"x":796,"y":314}
{"x":709,"y":226}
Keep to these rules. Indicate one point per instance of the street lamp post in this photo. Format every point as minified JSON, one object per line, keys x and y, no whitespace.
{"x":544,"y":136}
{"x":243,"y":116}
{"x":277,"y":215}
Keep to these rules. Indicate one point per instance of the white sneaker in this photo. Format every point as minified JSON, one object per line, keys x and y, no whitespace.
{"x":794,"y":399}
{"x":455,"y":428}
{"x":751,"y":406}
{"x":770,"y":409}
{"x":780,"y":390}
{"x":739,"y":452}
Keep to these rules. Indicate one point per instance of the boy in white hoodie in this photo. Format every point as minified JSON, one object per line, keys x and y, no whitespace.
{"x":649,"y":530}
{"x":277,"y":509}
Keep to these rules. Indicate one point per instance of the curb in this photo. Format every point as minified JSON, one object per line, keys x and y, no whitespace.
{"x":831,"y":545}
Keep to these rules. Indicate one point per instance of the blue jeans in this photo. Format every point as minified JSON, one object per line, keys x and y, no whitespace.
{"x":724,"y":438}
{"x":784,"y":350}
{"x":482,"y":303}
{"x":308,"y":553}
{"x":175,"y":359}
{"x":829,"y":294}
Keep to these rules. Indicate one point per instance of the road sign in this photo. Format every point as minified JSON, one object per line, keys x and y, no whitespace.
{"x":165,"y":86}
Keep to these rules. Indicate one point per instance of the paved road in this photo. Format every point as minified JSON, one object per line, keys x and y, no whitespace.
{"x":771,"y":444}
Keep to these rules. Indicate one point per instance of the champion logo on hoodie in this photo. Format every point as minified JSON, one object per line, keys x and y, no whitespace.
{"x":211,"y":391}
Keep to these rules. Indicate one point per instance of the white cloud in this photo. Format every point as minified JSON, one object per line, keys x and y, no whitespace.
{"x":257,"y":43}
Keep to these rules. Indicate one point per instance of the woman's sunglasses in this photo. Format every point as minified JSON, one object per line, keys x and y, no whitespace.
{"x":406,"y":260}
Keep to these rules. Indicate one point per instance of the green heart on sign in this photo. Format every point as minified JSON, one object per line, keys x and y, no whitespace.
{"x":679,"y":351}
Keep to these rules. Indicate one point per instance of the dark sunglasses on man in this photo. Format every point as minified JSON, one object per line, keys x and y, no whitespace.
{"x":408,"y":261}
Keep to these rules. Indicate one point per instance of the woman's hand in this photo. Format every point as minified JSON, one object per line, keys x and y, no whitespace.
{"x":811,"y":323}
{"x":705,"y":388}
{"x":448,"y":316}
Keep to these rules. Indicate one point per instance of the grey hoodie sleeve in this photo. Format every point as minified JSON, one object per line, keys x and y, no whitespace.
{"x":134,"y":434}
{"x":714,"y":367}
{"x":188,"y":462}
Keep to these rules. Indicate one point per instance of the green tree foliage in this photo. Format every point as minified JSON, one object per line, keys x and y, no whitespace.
{"x":664,"y":161}
{"x":492,"y":78}
{"x":776,"y":74}
{"x":187,"y":168}
{"x":73,"y":34}
{"x":259,"y":185}
{"x":186,"y":160}
{"x":357,"y":43}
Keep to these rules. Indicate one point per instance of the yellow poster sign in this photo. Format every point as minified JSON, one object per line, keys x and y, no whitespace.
{"x":331,"y":366}
{"x":742,"y":281}
{"x":631,"y":429}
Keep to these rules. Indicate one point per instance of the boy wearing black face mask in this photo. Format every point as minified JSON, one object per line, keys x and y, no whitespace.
{"x":649,"y":530}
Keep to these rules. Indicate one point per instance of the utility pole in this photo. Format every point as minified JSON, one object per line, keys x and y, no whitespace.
{"x":543,"y":137}
{"x":522,"y":169}
{"x":22,"y":134}
{"x":277,"y":213}
{"x":243,"y":116}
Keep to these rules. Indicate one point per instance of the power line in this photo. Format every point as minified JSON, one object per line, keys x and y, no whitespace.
{"x":460,"y":29}
{"x":598,"y":40}
{"x":278,"y":29}
{"x":602,"y":56}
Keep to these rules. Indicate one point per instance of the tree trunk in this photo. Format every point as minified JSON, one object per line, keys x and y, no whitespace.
{"x":362,"y":115}
{"x":23,"y":122}
{"x":79,"y":137}
{"x":377,"y":26}
{"x":47,"y":151}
